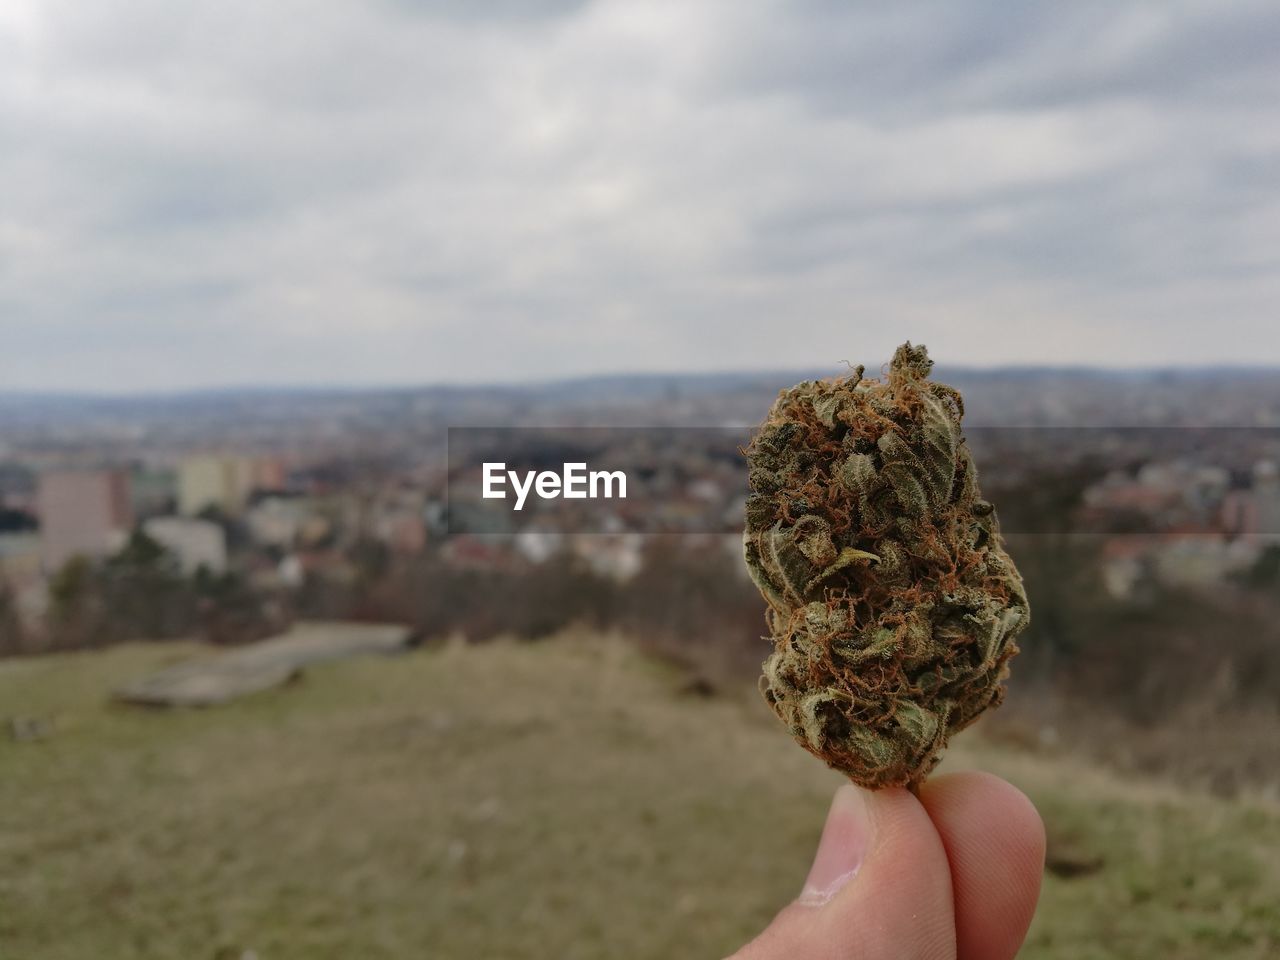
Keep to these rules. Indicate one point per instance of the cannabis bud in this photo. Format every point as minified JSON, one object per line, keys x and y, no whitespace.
{"x":892,"y":604}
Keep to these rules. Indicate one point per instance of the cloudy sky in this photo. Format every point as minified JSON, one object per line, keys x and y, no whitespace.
{"x":403,"y":191}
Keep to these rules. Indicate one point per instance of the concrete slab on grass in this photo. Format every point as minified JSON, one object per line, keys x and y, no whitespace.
{"x":210,"y":681}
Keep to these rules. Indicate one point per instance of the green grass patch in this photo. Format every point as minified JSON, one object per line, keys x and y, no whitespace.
{"x":561,"y":799}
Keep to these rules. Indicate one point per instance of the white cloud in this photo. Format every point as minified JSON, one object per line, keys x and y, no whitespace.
{"x":395,"y":192}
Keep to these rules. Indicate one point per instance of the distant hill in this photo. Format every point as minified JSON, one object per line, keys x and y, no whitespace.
{"x":1023,"y":394}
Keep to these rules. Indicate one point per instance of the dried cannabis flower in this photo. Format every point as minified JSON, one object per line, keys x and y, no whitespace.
{"x":893,"y":606}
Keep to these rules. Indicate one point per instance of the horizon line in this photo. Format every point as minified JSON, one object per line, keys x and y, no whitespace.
{"x":538,"y":383}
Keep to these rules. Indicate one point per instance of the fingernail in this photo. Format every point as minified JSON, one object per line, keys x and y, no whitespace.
{"x":846,"y":838}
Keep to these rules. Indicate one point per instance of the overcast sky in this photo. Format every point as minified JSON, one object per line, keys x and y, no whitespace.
{"x":296,"y":192}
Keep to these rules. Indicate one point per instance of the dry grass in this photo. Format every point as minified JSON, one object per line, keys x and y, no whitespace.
{"x":563,"y":799}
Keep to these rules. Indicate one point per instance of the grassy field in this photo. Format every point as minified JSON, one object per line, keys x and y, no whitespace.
{"x":564,"y":799}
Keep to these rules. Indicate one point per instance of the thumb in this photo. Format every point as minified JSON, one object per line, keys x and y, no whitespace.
{"x":879,"y":888}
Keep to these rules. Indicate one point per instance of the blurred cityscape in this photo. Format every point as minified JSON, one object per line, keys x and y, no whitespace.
{"x":1142,"y":507}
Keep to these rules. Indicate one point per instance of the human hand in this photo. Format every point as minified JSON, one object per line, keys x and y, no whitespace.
{"x":952,"y":873}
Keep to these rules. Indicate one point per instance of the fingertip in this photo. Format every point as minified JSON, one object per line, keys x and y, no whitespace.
{"x":900,"y":901}
{"x":994,"y":839}
{"x":879,"y":887}
{"x":977,"y":793}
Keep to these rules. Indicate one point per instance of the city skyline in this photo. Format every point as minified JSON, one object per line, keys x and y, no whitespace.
{"x":680,"y":379}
